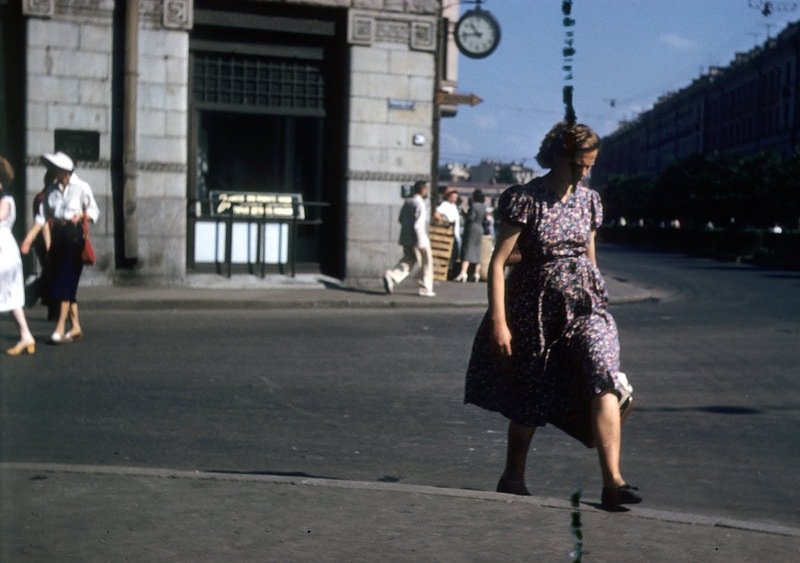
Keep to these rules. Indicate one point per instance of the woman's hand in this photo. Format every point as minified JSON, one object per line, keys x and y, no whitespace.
{"x":76,"y":218}
{"x":27,"y":242}
{"x":506,"y":240}
{"x":502,"y":338}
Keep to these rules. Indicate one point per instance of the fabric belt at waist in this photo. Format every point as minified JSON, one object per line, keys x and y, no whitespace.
{"x":65,"y":223}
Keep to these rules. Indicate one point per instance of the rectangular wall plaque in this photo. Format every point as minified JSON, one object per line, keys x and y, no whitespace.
{"x":407,"y":105}
{"x":79,"y":145}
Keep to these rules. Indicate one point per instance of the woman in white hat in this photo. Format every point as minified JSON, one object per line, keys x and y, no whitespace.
{"x":65,"y":203}
{"x":12,"y":287}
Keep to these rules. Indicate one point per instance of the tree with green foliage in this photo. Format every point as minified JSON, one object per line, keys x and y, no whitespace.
{"x":757,"y":190}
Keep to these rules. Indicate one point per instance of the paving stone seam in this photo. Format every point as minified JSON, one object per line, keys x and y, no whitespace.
{"x":375,"y":486}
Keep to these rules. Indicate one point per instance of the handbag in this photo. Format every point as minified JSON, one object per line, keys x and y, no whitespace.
{"x":87,"y":254}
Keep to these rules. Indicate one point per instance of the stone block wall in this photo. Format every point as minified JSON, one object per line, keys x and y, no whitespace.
{"x":69,"y":56}
{"x":69,"y":68}
{"x":391,"y":101}
{"x":161,"y":152}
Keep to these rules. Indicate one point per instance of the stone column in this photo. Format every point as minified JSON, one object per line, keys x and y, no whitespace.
{"x":161,"y":141}
{"x":391,"y":124}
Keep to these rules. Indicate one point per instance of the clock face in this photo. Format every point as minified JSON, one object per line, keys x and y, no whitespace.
{"x":477,"y":34}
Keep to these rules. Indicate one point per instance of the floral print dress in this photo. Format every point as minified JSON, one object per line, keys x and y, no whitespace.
{"x":565,"y":346}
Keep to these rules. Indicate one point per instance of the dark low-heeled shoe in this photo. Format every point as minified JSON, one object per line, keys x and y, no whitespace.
{"x":613,"y":497}
{"x":512,"y":487}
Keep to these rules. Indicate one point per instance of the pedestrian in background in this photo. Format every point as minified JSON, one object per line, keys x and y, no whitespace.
{"x":12,"y":284}
{"x":448,"y":211}
{"x":547,"y":350}
{"x":65,"y":204}
{"x":473,"y":238}
{"x":41,"y":241}
{"x":414,"y":221}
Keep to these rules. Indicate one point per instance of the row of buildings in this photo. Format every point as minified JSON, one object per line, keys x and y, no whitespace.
{"x":751,"y":105}
{"x":486,"y":172}
{"x":230,"y":136}
{"x":489,"y":176}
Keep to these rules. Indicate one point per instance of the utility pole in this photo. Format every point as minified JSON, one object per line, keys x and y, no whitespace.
{"x":441,"y":38}
{"x":129,"y":166}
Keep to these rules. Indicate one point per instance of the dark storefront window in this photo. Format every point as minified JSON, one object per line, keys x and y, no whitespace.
{"x":265,"y":154}
{"x":266,"y":118}
{"x":258,"y":83}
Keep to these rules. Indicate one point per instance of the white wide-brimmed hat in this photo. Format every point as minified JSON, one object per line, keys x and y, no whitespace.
{"x":59,"y":160}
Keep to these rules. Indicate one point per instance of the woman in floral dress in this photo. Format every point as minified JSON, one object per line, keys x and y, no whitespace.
{"x":547,"y":350}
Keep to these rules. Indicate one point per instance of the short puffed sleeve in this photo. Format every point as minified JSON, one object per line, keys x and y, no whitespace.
{"x":597,"y":210}
{"x":515,"y":206}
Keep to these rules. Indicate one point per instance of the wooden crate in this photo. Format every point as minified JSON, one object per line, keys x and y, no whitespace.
{"x":442,"y":247}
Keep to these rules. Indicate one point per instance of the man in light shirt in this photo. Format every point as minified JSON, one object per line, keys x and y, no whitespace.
{"x":448,"y":212}
{"x":414,"y":220}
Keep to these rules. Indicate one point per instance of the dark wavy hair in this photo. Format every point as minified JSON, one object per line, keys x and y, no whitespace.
{"x":6,"y":173}
{"x":566,"y":140}
{"x":418,"y":185}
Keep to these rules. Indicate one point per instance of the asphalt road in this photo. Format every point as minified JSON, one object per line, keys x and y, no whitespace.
{"x":377,"y":394}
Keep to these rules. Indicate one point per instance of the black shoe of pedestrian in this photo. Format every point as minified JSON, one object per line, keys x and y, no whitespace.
{"x":512,"y":487}
{"x":613,"y":497}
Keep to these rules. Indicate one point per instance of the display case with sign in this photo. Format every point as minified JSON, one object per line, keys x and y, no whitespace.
{"x":247,"y":228}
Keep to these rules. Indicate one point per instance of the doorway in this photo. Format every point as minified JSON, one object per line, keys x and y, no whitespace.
{"x":263,"y":154}
{"x":266,"y":92}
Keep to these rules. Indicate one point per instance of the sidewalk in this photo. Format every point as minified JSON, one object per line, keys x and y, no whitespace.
{"x":85,"y":513}
{"x":308,"y":291}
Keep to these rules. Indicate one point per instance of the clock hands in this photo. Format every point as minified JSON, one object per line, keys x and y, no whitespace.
{"x":475,"y":31}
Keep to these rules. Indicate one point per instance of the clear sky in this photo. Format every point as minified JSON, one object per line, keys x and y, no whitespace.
{"x":629,"y":52}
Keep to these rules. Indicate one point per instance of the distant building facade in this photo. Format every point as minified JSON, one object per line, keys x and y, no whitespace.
{"x":749,"y":106}
{"x":329,"y":100}
{"x":487,"y":172}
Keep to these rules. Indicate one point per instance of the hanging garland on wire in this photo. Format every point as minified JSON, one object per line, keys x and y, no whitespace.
{"x":569,"y":53}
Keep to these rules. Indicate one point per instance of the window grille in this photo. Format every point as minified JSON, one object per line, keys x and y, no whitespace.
{"x":284,"y":86}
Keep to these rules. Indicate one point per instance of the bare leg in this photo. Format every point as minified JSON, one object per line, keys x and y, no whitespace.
{"x":606,"y":426}
{"x":25,"y":336}
{"x":63,"y":312}
{"x":519,"y":441}
{"x":462,"y":275}
{"x":75,"y":320}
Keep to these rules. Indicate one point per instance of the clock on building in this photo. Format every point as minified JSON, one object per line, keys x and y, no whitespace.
{"x":477,"y":33}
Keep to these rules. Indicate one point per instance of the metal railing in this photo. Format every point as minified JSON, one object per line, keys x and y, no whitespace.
{"x":229,"y":219}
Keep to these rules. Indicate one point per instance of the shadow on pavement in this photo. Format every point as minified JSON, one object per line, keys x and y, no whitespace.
{"x":713,"y":409}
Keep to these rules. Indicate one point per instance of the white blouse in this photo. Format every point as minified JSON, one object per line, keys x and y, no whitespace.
{"x":75,"y":199}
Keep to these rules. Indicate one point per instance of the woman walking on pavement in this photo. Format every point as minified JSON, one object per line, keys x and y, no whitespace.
{"x":473,"y":238}
{"x":65,"y":203}
{"x":547,"y":350}
{"x":12,"y":285}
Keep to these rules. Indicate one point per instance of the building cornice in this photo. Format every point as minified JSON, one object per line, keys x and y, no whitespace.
{"x":381,"y":176}
{"x":105,"y":164}
{"x":365,"y":27}
{"x":171,"y":14}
